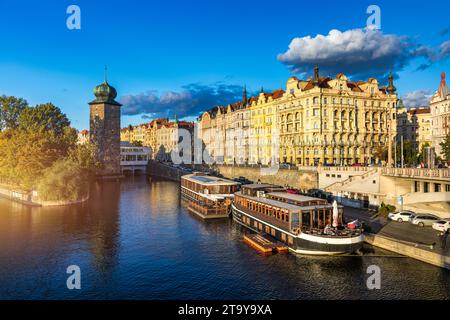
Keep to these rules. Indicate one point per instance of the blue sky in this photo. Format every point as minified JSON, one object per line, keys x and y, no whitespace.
{"x":179,"y":57}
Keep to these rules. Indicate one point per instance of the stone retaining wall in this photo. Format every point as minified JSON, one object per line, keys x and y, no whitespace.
{"x":27,"y":198}
{"x":162,"y":171}
{"x":300,"y":179}
{"x":408,"y":250}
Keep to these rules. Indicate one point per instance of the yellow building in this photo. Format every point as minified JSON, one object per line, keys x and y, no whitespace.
{"x":224,"y":132}
{"x":322,"y":120}
{"x":414,"y":125}
{"x":264,"y":133}
{"x":161,"y":135}
{"x":336,"y":121}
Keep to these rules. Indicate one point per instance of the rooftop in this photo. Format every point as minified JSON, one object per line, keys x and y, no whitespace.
{"x":259,"y":186}
{"x":209,"y":180}
{"x":287,"y":206}
{"x":294,"y":197}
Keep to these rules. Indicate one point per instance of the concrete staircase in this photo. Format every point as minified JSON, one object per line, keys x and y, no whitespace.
{"x":353,"y":182}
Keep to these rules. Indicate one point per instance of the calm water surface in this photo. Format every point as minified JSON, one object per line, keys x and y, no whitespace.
{"x":134,"y":240}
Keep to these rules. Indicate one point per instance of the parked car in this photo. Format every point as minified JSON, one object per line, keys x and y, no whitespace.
{"x":357,"y":165}
{"x":425,"y":220}
{"x":442,"y":225}
{"x":401,"y":216}
{"x":285,"y":166}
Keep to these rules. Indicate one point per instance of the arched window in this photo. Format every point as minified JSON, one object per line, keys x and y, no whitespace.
{"x":316,"y":100}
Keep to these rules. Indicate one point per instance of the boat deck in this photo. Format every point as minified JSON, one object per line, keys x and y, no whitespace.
{"x":265,"y":245}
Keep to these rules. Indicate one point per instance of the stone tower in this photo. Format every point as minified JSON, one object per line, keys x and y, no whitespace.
{"x":105,"y":129}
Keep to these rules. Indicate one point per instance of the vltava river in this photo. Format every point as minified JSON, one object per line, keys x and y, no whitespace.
{"x":133,"y":240}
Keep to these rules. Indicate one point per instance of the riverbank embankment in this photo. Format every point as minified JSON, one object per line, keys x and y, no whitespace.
{"x":30,"y":198}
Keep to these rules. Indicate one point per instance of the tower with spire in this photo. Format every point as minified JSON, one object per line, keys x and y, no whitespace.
{"x":244,"y":96}
{"x":316,"y":78}
{"x":391,"y":89}
{"x":105,"y":128}
{"x":443,"y":90}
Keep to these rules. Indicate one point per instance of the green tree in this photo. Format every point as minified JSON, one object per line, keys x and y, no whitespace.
{"x":63,"y":181}
{"x":43,"y":117}
{"x":409,"y":153}
{"x":24,"y":155}
{"x":42,"y":135}
{"x":381,"y":153}
{"x":445,"y":145}
{"x":85,"y":157}
{"x":421,"y":155}
{"x":69,"y":178}
{"x":10,"y":110}
{"x":136,"y":143}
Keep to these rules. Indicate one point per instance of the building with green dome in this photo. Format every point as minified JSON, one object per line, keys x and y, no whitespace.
{"x":105,"y":129}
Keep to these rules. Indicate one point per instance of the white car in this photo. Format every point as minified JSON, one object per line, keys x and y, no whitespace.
{"x":425,"y":220}
{"x":401,"y":216}
{"x":442,"y":225}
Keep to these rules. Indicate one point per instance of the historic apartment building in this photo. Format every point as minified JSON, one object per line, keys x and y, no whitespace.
{"x":161,"y":135}
{"x":440,"y":115}
{"x":317,"y":121}
{"x":414,"y":125}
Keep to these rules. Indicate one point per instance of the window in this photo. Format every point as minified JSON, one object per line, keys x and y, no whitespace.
{"x":437,"y":187}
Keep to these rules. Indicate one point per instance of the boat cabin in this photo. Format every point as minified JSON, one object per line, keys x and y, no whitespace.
{"x":291,"y":212}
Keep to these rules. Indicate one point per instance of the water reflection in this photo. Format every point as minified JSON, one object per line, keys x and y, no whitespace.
{"x":134,"y":240}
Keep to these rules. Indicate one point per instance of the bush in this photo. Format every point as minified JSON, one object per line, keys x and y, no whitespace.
{"x":366,"y":227}
{"x":63,"y":181}
{"x":385,"y":209}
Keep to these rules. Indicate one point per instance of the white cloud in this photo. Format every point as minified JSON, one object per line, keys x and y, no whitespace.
{"x":190,"y":101}
{"x":418,"y":98}
{"x":361,"y":53}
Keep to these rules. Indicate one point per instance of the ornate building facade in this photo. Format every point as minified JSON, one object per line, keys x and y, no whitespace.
{"x":440,"y":115}
{"x":161,"y":135}
{"x":414,"y":125}
{"x":322,"y":120}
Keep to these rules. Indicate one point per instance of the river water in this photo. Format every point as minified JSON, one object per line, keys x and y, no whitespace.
{"x":134,"y":240}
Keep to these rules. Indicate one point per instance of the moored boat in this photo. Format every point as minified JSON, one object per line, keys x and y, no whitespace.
{"x":207,"y":196}
{"x":307,"y":225}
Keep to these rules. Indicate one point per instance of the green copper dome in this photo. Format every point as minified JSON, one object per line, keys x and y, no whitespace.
{"x":104,"y":93}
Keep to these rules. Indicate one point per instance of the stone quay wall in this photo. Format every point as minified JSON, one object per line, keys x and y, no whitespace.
{"x":302,"y":179}
{"x":162,"y":171}
{"x":408,"y":249}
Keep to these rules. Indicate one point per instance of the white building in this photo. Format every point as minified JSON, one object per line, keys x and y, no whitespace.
{"x":440,"y":115}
